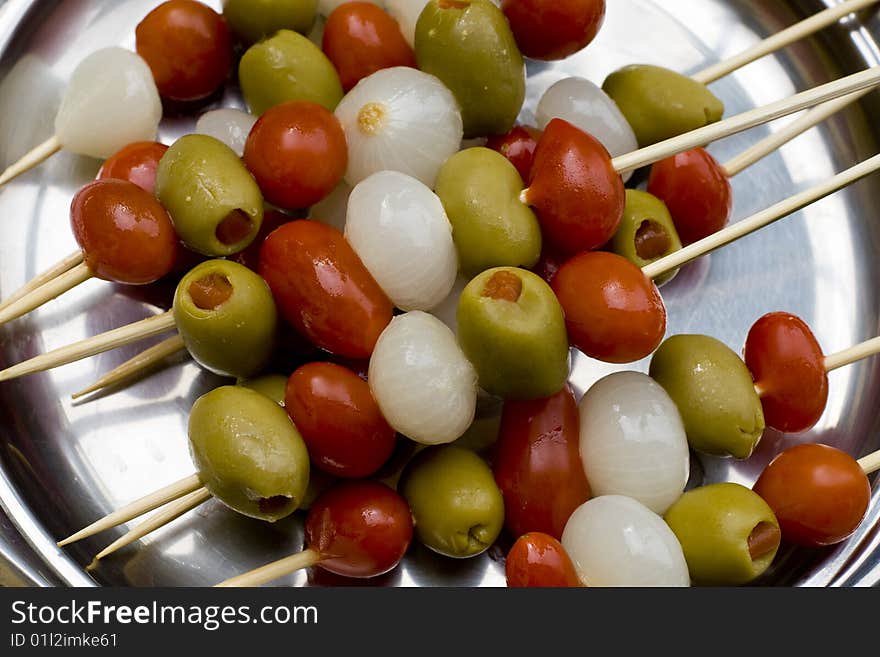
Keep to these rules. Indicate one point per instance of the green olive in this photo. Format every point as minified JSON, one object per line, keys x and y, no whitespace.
{"x":456,"y":505}
{"x":226,"y":317}
{"x":714,"y":393}
{"x":646,"y":232}
{"x":512,"y":328}
{"x":273,"y":386}
{"x":491,"y":227}
{"x":728,"y":533}
{"x":659,"y":103}
{"x":248,"y":453}
{"x":287,"y":67}
{"x":253,"y":20}
{"x":214,"y":202}
{"x":469,"y":46}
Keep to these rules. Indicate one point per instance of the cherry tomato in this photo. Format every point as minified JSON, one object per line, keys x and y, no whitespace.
{"x":537,"y":451}
{"x":360,"y":528}
{"x":297,"y":154}
{"x":323,"y":289}
{"x":250,"y":257}
{"x":136,"y":163}
{"x":549,"y":263}
{"x":697,"y":192}
{"x":576,"y":193}
{"x":188,"y":47}
{"x":125,"y":233}
{"x":612,"y":311}
{"x":518,"y":146}
{"x":360,"y":39}
{"x":339,"y":420}
{"x":553,"y":29}
{"x":539,"y":560}
{"x":788,"y":367}
{"x":818,"y":493}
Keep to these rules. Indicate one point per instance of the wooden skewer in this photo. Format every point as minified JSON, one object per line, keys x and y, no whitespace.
{"x":41,"y":279}
{"x":781,"y":39}
{"x":810,"y":119}
{"x":853,"y":354}
{"x":45,"y":293}
{"x":759,"y":220}
{"x":39,"y":154}
{"x":137,"y":508}
{"x":90,"y":346}
{"x":134,"y":366}
{"x":701,"y":136}
{"x":274,"y":570}
{"x":870,"y":463}
{"x":157,"y":520}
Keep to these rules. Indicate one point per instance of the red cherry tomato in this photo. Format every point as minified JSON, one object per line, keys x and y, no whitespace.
{"x":125,"y":233}
{"x":339,"y":420}
{"x":360,"y":39}
{"x":297,"y":154}
{"x":537,"y":451}
{"x":539,"y":560}
{"x":697,"y":192}
{"x":576,"y":193}
{"x":549,"y":263}
{"x":612,"y":311}
{"x":136,"y":163}
{"x":788,"y":367}
{"x":323,"y":289}
{"x":360,"y":529}
{"x":553,"y":29}
{"x":250,"y":257}
{"x":187,"y":46}
{"x":818,"y":493}
{"x":518,"y":146}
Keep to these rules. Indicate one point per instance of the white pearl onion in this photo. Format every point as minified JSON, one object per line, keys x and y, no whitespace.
{"x":332,"y":208}
{"x":399,"y":119}
{"x":425,"y":386}
{"x":399,"y":229}
{"x":632,"y":440}
{"x":583,"y":104}
{"x":110,"y":102}
{"x":406,"y":13}
{"x":616,"y":541}
{"x":231,"y":126}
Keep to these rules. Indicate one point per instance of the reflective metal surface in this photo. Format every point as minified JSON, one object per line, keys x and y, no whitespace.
{"x":65,"y":464}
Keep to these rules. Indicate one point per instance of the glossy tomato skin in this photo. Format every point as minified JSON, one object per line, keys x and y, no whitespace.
{"x":125,"y":233}
{"x":322,"y":288}
{"x":697,"y":192}
{"x":553,"y":29}
{"x":297,"y":153}
{"x":518,"y":145}
{"x":360,"y":39}
{"x":539,"y":560}
{"x":612,"y":311}
{"x":136,"y":163}
{"x":188,"y":47}
{"x":574,"y":189}
{"x":536,"y":452}
{"x":788,"y":367}
{"x":339,"y":420}
{"x":360,"y":528}
{"x":818,"y":493}
{"x":250,"y":256}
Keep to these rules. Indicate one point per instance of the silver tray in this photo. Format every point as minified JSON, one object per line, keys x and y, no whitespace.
{"x":62,"y":465}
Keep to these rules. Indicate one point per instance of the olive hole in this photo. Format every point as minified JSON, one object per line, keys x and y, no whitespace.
{"x":235,"y":227}
{"x":503,"y":285}
{"x":210,"y":292}
{"x":274,"y":504}
{"x":764,"y":539}
{"x":453,"y":4}
{"x":652,"y":240}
